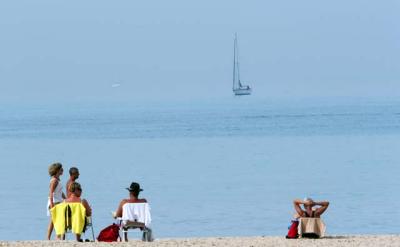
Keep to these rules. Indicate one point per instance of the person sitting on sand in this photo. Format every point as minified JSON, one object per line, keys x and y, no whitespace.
{"x":75,"y":190}
{"x":134,"y":191}
{"x":309,"y":211}
{"x":73,"y":176}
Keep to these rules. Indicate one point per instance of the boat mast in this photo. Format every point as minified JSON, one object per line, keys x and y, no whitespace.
{"x":234,"y":63}
{"x":237,"y":62}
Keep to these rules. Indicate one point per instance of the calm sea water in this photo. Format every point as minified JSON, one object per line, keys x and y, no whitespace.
{"x":230,"y":168}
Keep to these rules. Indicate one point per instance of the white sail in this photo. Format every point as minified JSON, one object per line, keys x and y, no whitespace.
{"x":237,"y":87}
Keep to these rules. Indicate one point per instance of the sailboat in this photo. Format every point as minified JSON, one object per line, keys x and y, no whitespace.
{"x":237,"y":86}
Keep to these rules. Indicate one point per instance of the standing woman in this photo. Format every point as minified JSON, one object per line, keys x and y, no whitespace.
{"x":56,"y":194}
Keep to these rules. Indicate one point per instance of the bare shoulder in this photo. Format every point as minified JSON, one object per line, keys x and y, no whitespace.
{"x":123,"y":201}
{"x":53,"y":182}
{"x":143,"y":200}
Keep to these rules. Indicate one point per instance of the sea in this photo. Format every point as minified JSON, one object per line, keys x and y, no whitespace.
{"x":227,"y":167}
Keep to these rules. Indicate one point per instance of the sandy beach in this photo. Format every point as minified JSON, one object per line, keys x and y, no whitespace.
{"x":360,"y":240}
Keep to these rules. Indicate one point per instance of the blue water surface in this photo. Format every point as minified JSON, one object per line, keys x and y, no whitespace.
{"x":228,"y":168}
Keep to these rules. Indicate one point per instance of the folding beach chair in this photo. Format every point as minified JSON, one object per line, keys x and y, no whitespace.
{"x":136,"y":216}
{"x":89,"y":224}
{"x":70,"y":218}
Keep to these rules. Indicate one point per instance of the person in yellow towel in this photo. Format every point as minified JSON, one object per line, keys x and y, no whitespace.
{"x":75,"y":197}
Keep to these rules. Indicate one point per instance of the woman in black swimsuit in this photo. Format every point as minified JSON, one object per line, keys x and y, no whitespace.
{"x":309,"y":211}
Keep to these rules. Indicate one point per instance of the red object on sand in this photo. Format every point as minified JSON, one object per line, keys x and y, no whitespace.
{"x":109,"y":234}
{"x":293,"y":233}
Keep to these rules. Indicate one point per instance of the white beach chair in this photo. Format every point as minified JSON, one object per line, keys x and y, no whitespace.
{"x":136,"y":216}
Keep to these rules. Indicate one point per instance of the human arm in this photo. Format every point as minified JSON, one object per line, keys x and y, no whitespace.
{"x":323,"y":206}
{"x":67,"y":193}
{"x":53,"y":185}
{"x":87,"y":207}
{"x":118,"y":212}
{"x":296,"y":204}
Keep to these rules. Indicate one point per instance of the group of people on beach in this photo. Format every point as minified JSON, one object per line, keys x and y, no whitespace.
{"x":73,"y":193}
{"x":57,"y":195}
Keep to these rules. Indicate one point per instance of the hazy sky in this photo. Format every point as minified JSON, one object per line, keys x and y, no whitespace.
{"x":76,"y":50}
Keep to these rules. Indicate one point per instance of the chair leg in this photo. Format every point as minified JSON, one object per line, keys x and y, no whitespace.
{"x":91,"y":226}
{"x":147,"y":235}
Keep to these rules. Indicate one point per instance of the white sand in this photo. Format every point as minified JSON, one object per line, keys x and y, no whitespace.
{"x":361,"y":240}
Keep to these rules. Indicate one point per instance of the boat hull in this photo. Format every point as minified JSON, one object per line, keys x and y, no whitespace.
{"x":242,"y":91}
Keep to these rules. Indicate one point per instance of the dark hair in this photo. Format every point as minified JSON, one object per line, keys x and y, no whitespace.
{"x":135,"y":193}
{"x":73,"y":171}
{"x":54,"y":168}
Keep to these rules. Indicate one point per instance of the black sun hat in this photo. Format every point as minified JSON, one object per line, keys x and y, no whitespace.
{"x":134,"y":187}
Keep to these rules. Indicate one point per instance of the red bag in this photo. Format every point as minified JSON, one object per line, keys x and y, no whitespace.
{"x":109,"y":234}
{"x":293,"y":233}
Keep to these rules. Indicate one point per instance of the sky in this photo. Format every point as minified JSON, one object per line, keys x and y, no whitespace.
{"x":95,"y":50}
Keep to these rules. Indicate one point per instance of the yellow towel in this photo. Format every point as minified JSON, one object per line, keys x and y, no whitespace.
{"x":58,"y":217}
{"x":78,"y":215}
{"x":62,"y":220}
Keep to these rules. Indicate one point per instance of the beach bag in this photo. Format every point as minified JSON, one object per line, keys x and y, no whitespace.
{"x":109,"y":234}
{"x":293,"y":233}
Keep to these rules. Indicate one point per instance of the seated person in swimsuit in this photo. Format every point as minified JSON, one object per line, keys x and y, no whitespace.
{"x":75,"y":196}
{"x":308,"y":205}
{"x":134,"y":191}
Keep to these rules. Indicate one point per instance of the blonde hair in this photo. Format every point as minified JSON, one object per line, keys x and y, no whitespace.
{"x":74,"y":186}
{"x":54,"y":168}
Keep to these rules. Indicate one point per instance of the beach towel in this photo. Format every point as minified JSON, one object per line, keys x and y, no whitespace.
{"x":78,"y":216}
{"x":58,"y":216}
{"x":136,"y":212}
{"x":311,"y":227}
{"x":68,"y":216}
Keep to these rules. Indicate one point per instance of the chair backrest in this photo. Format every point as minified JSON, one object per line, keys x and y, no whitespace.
{"x":137,"y":212}
{"x":58,"y":217}
{"x":77,"y":218}
{"x":68,"y":216}
{"x":311,"y":227}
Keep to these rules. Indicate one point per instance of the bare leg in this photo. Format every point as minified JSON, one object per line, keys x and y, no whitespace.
{"x":50,"y":230}
{"x":126,"y":236}
{"x":78,"y":238}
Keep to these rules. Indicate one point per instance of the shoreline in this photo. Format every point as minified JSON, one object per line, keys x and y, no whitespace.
{"x":340,"y":240}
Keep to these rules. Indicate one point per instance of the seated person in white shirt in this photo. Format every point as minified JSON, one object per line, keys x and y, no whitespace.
{"x":134,"y":191}
{"x":309,"y":211}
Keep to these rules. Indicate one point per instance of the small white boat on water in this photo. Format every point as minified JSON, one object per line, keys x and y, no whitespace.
{"x":237,"y":86}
